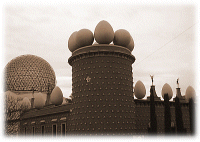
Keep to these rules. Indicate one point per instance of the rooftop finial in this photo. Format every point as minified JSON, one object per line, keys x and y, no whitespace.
{"x":151,"y":78}
{"x":177,"y":82}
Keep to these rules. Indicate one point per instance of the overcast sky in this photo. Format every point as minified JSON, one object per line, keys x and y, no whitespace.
{"x":164,"y":35}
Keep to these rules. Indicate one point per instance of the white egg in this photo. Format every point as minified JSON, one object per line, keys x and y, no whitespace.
{"x":72,"y":45}
{"x":39,"y":102}
{"x":11,"y":95}
{"x":84,"y":37}
{"x":167,"y":90}
{"x":190,"y":93}
{"x":56,"y":96}
{"x":131,"y":44}
{"x":44,"y":96}
{"x":139,"y":90}
{"x":122,"y":38}
{"x":26,"y":102}
{"x":104,"y":33}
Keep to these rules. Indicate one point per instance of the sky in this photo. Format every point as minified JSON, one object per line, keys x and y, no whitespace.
{"x":165,"y":38}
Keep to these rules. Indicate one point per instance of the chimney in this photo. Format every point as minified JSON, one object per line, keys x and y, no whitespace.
{"x":48,"y":96}
{"x":48,"y":99}
{"x":32,"y":102}
{"x":32,"y":99}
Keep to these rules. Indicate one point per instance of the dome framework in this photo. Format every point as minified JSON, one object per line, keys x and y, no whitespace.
{"x":28,"y":73}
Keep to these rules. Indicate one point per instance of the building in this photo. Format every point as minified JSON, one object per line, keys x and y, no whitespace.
{"x":102,"y":101}
{"x":52,"y":119}
{"x":142,"y":115}
{"x":102,"y":88}
{"x":23,"y":76}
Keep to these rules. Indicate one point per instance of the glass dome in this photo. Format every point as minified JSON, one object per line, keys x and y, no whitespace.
{"x":28,"y":72}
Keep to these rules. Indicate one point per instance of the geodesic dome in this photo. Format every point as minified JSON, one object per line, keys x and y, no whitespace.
{"x":28,"y":72}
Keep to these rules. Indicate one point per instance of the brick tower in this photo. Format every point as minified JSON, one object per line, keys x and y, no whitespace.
{"x":102,"y":90}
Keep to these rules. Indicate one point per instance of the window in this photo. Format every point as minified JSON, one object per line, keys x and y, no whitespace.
{"x":42,"y":130}
{"x":63,"y":129}
{"x":25,"y":131}
{"x":54,"y":129}
{"x":172,"y":124}
{"x":33,"y":130}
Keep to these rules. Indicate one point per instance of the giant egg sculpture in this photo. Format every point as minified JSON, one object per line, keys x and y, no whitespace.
{"x":84,"y":37}
{"x":190,"y":93}
{"x":11,"y":95}
{"x":131,"y":44}
{"x":39,"y":102}
{"x":26,"y":102}
{"x":72,"y":44}
{"x":56,"y":96}
{"x":104,"y":33}
{"x":167,"y":90}
{"x":122,"y":38}
{"x":140,"y":90}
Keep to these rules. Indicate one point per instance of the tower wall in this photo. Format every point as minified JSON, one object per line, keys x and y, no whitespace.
{"x":102,"y":90}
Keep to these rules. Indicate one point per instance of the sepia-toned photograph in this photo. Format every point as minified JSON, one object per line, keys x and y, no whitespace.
{"x":100,"y":69}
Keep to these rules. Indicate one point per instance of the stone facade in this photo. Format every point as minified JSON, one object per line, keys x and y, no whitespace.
{"x":102,"y":90}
